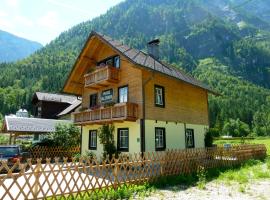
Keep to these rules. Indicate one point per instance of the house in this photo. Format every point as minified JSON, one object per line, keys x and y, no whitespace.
{"x":38,"y":127}
{"x":49,"y":109}
{"x":54,"y":106}
{"x":152,"y":105}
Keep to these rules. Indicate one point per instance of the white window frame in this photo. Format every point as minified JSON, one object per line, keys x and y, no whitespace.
{"x":160,"y":138}
{"x":123,"y":135}
{"x":190,"y":138}
{"x":92,"y":140}
{"x":159,"y":96}
{"x":123,"y":94}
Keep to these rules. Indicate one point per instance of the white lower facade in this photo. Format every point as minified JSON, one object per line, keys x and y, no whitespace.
{"x":159,"y":135}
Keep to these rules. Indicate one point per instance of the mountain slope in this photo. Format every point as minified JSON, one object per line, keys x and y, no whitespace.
{"x":189,"y":30}
{"x":13,"y":48}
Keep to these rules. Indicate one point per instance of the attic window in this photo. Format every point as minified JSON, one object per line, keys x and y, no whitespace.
{"x":113,"y":61}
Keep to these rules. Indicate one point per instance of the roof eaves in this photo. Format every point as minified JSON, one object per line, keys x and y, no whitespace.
{"x":77,"y":60}
{"x":107,"y":40}
{"x":6,"y":122}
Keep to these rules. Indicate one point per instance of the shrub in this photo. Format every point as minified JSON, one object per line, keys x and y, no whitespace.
{"x":65,"y":135}
{"x":236,"y":128}
{"x":106,"y":138}
{"x":215,"y":132}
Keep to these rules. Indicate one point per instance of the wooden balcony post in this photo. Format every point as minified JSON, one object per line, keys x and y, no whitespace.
{"x":100,"y":117}
{"x":126,"y":110}
{"x":108,"y":72}
{"x":111,"y":112}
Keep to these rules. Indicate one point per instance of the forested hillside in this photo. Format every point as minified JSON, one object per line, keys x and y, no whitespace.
{"x":13,"y":48}
{"x":225,"y":43}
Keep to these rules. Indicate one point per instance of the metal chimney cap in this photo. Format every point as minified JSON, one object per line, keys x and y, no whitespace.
{"x":155,"y":41}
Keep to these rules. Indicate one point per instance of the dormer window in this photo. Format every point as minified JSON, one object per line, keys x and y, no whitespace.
{"x":113,"y":61}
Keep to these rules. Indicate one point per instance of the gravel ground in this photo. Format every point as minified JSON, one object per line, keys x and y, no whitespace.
{"x":216,"y":191}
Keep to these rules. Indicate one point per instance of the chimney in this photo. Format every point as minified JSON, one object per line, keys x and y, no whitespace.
{"x":153,"y":48}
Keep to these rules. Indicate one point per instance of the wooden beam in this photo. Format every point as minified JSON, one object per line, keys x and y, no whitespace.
{"x":77,"y":83}
{"x":89,"y":60}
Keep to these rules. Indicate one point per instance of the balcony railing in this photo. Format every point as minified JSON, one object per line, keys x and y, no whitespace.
{"x":102,"y":77}
{"x":118,"y":112}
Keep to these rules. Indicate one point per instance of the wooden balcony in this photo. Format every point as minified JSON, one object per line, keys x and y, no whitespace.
{"x":118,"y":113}
{"x":102,"y":77}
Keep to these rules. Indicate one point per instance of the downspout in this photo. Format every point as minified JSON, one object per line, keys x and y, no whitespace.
{"x":185,"y":128}
{"x":142,"y":121}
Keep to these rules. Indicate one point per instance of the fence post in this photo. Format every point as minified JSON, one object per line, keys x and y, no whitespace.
{"x":161,"y":165}
{"x":116,"y":174}
{"x":37,"y":175}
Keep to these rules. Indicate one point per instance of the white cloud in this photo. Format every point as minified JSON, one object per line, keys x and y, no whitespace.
{"x":64,"y":4}
{"x":5,"y":22}
{"x":49,"y":20}
{"x":3,"y":13}
{"x":24,"y":21}
{"x":12,"y":3}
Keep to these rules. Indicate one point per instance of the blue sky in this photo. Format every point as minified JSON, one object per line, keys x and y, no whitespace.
{"x":44,"y":20}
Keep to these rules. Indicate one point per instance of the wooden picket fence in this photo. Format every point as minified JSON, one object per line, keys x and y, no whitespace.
{"x":88,"y":177}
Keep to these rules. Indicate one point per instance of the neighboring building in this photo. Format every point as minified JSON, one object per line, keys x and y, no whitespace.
{"x":66,"y":113}
{"x":49,"y":109}
{"x":52,"y":106}
{"x":152,"y":105}
{"x":38,"y":127}
{"x":22,"y":113}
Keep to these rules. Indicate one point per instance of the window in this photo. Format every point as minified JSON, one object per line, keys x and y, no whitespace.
{"x":93,"y":139}
{"x":160,"y":139}
{"x":38,"y":111}
{"x":113,"y":61}
{"x":93,"y":100}
{"x":159,"y":96}
{"x":190,"y":138}
{"x":122,"y":139}
{"x":123,"y":94}
{"x":116,"y":61}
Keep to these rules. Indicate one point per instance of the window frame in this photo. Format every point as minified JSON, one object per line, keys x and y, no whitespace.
{"x":90,"y":100}
{"x":121,"y":149}
{"x":113,"y":61}
{"x":163,"y":96}
{"x":164,"y":139}
{"x":119,"y":88}
{"x":90,"y":139}
{"x":193,"y":138}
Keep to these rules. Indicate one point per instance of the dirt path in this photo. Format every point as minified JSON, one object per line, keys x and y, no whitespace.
{"x":217,"y":191}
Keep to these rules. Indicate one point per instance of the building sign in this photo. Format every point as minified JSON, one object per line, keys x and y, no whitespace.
{"x":107,"y":96}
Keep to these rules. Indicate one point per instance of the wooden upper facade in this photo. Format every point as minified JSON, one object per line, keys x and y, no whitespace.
{"x":115,"y":84}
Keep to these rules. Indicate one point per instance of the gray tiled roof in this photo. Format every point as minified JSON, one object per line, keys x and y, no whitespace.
{"x":142,"y":59}
{"x":44,"y":96}
{"x":31,"y":125}
{"x":70,"y":108}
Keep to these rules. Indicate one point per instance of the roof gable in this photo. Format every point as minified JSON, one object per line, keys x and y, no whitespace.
{"x":141,"y":59}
